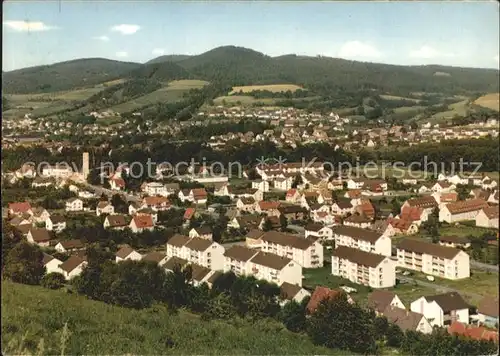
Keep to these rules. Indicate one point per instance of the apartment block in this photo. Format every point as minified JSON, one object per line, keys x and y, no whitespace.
{"x":369,"y":269}
{"x":362,"y":239}
{"x":307,"y":252}
{"x":441,"y":261}
{"x":203,"y":252}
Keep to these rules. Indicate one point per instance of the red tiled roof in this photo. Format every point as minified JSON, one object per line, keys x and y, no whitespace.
{"x":143,"y":221}
{"x":119,"y":182}
{"x":473,"y":332}
{"x":411,"y":213}
{"x":20,"y":207}
{"x":188,"y":214}
{"x":466,"y":206}
{"x":199,"y":193}
{"x":320,"y":294}
{"x":268,"y":205}
{"x":291,"y":192}
{"x":156,"y":201}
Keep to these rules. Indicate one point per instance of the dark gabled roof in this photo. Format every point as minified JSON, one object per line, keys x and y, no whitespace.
{"x":116,"y":220}
{"x":255,"y":234}
{"x":295,"y":241}
{"x":71,"y":263}
{"x":56,"y":219}
{"x":178,"y":240}
{"x":175,"y":261}
{"x":489,"y":306}
{"x":47,"y":258}
{"x":214,"y":277}
{"x":379,"y":300}
{"x":240,"y":253}
{"x":314,"y":227}
{"x":423,"y":202}
{"x":357,"y":256}
{"x":289,"y":291}
{"x":199,"y":272}
{"x":203,"y":230}
{"x":40,"y":235}
{"x":270,"y":260}
{"x":357,"y":233}
{"x":449,"y":301}
{"x":69,"y":244}
{"x":124,"y":251}
{"x":421,"y":247}
{"x":154,"y":257}
{"x":199,"y":244}
{"x":405,"y":319}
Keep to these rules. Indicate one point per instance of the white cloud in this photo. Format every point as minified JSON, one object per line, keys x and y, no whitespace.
{"x":28,"y":26}
{"x":121,"y":54}
{"x":101,"y":38}
{"x":356,"y":49}
{"x":158,"y":51}
{"x":427,"y":52}
{"x":125,"y":29}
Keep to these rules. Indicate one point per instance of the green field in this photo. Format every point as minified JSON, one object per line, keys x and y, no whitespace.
{"x":97,"y":328}
{"x":393,"y":97}
{"x":242,"y":100}
{"x":459,"y":109}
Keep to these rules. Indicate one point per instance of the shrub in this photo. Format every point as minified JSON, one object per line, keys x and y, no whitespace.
{"x":53,"y":280}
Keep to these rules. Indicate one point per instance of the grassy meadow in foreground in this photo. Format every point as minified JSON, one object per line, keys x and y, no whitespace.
{"x":98,"y":328}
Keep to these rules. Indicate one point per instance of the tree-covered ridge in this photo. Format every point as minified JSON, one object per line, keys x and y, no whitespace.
{"x":64,"y":75}
{"x":241,"y":66}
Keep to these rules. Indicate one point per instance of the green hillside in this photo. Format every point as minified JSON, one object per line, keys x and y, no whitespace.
{"x":99,"y":328}
{"x":65,"y":75}
{"x":237,"y":66}
{"x":169,"y":58}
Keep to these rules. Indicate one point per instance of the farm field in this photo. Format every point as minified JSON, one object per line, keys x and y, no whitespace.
{"x":162,"y":95}
{"x":187,"y":84}
{"x":98,"y":328}
{"x":490,"y":101}
{"x":242,"y":100}
{"x":459,"y":109}
{"x":393,"y":97}
{"x":275,"y":88}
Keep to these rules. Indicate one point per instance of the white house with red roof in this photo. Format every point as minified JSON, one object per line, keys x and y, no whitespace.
{"x":140,"y":223}
{"x":293,"y":196}
{"x":117,"y":183}
{"x":20,"y":208}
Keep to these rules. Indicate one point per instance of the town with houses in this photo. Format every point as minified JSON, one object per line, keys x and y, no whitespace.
{"x":288,"y":126}
{"x":292,"y":221}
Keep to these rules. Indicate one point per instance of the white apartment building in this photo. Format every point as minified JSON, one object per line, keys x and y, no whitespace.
{"x":462,"y":210}
{"x":155,"y":188}
{"x":488,"y":217}
{"x":57,"y":171}
{"x":369,"y":269}
{"x":203,"y":252}
{"x":441,"y":261}
{"x":307,"y":252}
{"x":362,"y":239}
{"x":74,"y":204}
{"x":262,"y":265}
{"x":442,"y":309}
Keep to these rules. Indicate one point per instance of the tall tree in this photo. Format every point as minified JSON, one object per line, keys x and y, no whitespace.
{"x":24,"y":264}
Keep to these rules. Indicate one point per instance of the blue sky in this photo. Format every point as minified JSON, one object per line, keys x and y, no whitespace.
{"x":450,"y":33}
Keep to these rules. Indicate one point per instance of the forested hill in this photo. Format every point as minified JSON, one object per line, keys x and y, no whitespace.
{"x":241,"y":66}
{"x":65,"y":75}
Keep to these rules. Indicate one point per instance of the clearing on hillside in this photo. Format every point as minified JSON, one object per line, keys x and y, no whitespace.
{"x":490,"y":101}
{"x":275,"y":88}
{"x":394,"y":97}
{"x":187,"y":84}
